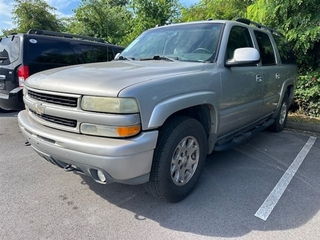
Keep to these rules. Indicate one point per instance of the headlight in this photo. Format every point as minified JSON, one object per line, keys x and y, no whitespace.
{"x":109,"y":104}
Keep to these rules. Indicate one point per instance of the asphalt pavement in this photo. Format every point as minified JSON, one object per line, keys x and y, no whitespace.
{"x":266,"y":188}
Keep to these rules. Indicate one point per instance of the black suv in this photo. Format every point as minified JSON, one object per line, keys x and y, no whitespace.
{"x":24,"y":54}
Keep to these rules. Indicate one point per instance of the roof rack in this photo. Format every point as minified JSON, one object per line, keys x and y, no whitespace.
{"x":258,"y":25}
{"x":65,"y":35}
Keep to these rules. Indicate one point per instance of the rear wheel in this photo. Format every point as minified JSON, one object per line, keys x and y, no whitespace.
{"x":280,"y":120}
{"x":178,"y":159}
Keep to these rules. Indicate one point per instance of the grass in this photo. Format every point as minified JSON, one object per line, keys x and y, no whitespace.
{"x":301,"y":118}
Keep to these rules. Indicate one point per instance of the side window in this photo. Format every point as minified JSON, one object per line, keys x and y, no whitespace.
{"x":50,"y":51}
{"x":266,"y":50}
{"x":239,"y":38}
{"x":285,"y":50}
{"x":9,"y":50}
{"x":94,"y":53}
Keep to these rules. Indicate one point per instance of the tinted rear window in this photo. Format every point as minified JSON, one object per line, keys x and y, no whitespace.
{"x":266,"y":49}
{"x":9,"y":50}
{"x":93,"y":53}
{"x":285,"y":50}
{"x":50,"y":51}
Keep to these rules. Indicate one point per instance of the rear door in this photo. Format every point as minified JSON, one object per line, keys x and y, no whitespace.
{"x":9,"y":60}
{"x":272,"y":73}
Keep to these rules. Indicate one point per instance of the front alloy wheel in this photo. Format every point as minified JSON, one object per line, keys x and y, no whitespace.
{"x":185,"y":161}
{"x":178,"y":159}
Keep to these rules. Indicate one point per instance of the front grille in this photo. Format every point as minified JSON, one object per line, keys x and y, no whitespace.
{"x":57,"y":120}
{"x":54,"y":99}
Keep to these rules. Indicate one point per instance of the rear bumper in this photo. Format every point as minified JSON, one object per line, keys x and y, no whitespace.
{"x":12,"y":100}
{"x":121,"y":160}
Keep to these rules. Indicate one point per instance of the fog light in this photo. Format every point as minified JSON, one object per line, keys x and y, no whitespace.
{"x":101,"y":176}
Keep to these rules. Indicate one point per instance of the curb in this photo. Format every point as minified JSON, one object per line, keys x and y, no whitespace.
{"x":303,"y":126}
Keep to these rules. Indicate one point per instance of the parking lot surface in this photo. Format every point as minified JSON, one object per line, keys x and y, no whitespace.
{"x":265,"y":188}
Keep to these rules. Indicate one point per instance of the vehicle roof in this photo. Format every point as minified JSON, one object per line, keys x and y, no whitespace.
{"x":195,"y":22}
{"x":58,"y":38}
{"x":209,"y":21}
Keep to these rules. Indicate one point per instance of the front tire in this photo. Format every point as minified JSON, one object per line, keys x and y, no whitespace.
{"x":178,"y":159}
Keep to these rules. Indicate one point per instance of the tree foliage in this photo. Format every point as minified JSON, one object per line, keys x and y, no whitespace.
{"x":299,"y":21}
{"x":7,"y":32}
{"x":37,"y":14}
{"x":107,"y":19}
{"x":148,"y":14}
{"x":218,"y":9}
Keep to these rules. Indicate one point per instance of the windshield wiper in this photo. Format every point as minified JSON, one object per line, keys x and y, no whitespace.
{"x":157,"y":57}
{"x":125,"y":58}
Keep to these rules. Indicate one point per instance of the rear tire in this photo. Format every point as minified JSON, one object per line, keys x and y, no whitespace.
{"x":178,"y":159}
{"x":280,"y":120}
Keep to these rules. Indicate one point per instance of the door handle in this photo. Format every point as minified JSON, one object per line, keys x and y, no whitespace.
{"x":258,"y":78}
{"x":2,"y":77}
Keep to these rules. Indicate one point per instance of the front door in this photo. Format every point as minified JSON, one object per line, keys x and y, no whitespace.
{"x":241,"y":87}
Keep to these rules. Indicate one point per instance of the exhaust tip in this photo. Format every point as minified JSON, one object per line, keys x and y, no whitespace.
{"x":69,"y":168}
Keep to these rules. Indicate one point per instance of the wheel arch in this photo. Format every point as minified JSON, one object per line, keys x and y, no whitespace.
{"x":203,"y":110}
{"x":287,"y":88}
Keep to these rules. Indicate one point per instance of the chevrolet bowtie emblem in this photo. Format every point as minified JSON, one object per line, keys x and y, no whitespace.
{"x":39,"y":108}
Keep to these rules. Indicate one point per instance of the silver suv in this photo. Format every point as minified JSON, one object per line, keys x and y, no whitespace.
{"x":174,"y":95}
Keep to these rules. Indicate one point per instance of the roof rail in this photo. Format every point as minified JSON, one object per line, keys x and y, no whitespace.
{"x":65,"y":35}
{"x":258,"y":25}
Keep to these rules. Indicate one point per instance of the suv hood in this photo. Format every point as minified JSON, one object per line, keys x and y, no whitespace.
{"x":108,"y":78}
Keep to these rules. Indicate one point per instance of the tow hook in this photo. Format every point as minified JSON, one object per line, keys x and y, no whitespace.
{"x":27,"y":144}
{"x":69,"y":168}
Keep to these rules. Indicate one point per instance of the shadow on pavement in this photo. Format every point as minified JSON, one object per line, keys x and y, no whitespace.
{"x":8,"y":113}
{"x":233,"y":186}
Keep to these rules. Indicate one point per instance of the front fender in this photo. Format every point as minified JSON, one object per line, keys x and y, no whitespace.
{"x":164,"y":109}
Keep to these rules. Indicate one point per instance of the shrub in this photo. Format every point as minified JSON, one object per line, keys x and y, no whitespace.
{"x":307,"y":94}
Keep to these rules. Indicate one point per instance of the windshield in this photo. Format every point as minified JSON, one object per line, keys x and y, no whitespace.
{"x":188,"y":42}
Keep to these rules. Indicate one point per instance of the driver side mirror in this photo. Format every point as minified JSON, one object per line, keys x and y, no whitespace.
{"x":244,"y":57}
{"x":117,"y":56}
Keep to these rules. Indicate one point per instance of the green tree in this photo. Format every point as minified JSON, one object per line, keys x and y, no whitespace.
{"x":299,"y":21}
{"x":218,"y":9}
{"x":107,"y":19}
{"x":148,"y":14}
{"x":38,"y":14}
{"x":7,"y":32}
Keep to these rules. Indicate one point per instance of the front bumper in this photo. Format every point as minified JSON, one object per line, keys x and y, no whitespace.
{"x":121,"y":160}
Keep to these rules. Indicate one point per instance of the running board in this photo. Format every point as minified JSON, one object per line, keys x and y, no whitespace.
{"x":242,"y":137}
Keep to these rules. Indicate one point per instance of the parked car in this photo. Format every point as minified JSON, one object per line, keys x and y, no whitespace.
{"x":174,"y":95}
{"x":22,"y":55}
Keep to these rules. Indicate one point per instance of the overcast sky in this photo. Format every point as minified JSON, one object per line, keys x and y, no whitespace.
{"x":64,"y":8}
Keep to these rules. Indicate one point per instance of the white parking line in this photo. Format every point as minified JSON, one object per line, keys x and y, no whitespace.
{"x":273,"y":198}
